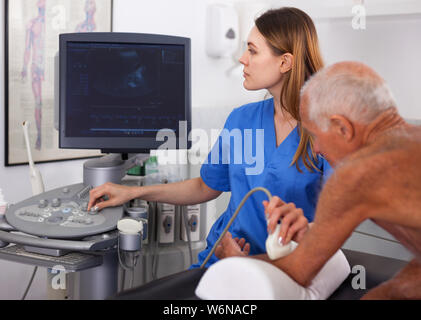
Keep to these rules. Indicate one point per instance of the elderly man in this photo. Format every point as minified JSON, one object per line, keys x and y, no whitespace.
{"x":352,"y":117}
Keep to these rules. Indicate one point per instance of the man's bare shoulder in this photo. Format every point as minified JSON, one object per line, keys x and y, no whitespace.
{"x":382,"y":172}
{"x":396,"y":149}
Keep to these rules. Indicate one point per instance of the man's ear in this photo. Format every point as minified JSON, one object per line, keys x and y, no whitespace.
{"x":287,"y":62}
{"x":342,"y":127}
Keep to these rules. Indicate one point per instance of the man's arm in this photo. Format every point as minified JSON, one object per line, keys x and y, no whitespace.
{"x":342,"y":206}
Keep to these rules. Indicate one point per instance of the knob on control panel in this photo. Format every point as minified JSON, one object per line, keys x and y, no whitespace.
{"x":55,"y":202}
{"x":43,"y":203}
{"x":84,"y":205}
{"x":93,"y":211}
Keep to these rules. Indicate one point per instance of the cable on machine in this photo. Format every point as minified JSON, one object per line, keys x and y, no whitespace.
{"x":186,"y":226}
{"x":269,"y":195}
{"x":274,"y":247}
{"x":129,"y":241}
{"x":30,"y":283}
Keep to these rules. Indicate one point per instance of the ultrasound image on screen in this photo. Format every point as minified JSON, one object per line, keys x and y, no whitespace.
{"x":129,"y":77}
{"x":120,"y":90}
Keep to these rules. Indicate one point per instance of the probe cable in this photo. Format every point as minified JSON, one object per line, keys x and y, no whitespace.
{"x":269,"y":195}
{"x":125,"y":267}
{"x":30,"y":283}
{"x":186,"y":227}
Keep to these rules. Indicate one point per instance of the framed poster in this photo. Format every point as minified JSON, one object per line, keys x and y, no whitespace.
{"x":32,"y":34}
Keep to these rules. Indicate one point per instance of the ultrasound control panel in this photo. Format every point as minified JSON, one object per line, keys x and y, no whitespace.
{"x":62,"y":214}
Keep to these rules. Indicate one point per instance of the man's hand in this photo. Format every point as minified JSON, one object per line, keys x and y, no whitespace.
{"x":294,"y":224}
{"x":229,"y":247}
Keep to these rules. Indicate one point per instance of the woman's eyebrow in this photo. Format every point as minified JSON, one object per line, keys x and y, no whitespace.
{"x":251,"y":44}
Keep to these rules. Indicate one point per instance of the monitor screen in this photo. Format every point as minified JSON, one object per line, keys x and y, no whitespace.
{"x":117,"y":91}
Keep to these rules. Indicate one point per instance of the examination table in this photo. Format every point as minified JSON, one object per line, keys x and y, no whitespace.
{"x":182,"y":285}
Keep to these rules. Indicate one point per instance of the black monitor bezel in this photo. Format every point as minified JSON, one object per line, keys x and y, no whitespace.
{"x":121,"y":144}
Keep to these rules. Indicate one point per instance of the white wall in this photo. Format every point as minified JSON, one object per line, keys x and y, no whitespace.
{"x":389,"y":44}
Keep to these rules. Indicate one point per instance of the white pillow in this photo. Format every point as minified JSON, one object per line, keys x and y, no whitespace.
{"x":239,"y":278}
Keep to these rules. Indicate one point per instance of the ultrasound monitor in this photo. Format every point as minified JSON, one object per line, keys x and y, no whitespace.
{"x":117,"y":90}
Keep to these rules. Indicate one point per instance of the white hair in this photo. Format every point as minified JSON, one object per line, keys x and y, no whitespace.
{"x":356,"y":96}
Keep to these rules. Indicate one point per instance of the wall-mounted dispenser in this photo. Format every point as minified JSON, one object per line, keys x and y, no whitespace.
{"x":222,"y":30}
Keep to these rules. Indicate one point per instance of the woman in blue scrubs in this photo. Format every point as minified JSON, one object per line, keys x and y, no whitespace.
{"x":268,"y":147}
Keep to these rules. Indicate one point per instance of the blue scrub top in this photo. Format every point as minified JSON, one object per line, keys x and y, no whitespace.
{"x":229,"y":168}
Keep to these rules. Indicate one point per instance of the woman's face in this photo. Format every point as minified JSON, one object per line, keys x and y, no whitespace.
{"x":262,"y":69}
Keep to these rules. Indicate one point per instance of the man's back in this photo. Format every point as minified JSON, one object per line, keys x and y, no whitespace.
{"x":390,"y":180}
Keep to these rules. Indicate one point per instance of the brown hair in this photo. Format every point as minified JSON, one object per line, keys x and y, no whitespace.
{"x":290,"y":30}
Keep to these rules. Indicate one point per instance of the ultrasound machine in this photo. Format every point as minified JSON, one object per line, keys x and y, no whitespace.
{"x":116,"y":91}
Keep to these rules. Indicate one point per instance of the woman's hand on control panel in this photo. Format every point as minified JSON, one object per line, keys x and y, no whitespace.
{"x":117,"y":195}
